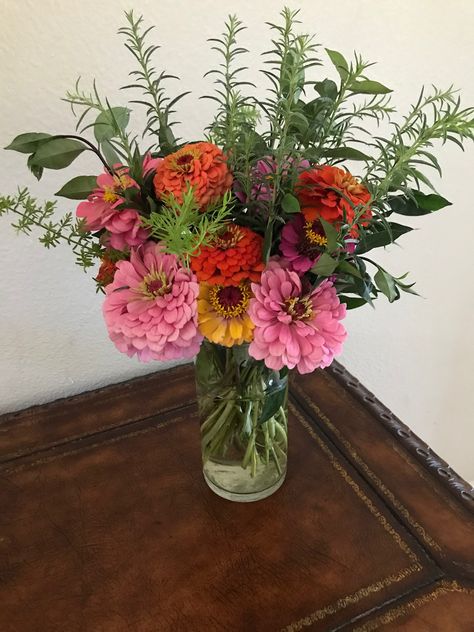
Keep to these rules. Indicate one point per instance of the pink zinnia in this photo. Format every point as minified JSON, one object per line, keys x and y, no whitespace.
{"x":151,"y":306}
{"x":302,"y":242}
{"x":295,"y":327}
{"x":100,"y":210}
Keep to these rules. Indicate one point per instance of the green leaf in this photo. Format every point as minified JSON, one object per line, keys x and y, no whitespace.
{"x":78,"y":188}
{"x":271,"y":404}
{"x":352,"y":302}
{"x":326,"y":88}
{"x":332,"y":235}
{"x":105,"y":126}
{"x":109,"y":152}
{"x":368,"y":87}
{"x":57,"y":153}
{"x":349,"y":153}
{"x":347,"y":268}
{"x":386,"y":284}
{"x":290,"y":204}
{"x":339,"y":62}
{"x":422,"y":204}
{"x":381,"y":237}
{"x":28,"y":143}
{"x":167,"y":139}
{"x":325,"y":265}
{"x":35,"y":170}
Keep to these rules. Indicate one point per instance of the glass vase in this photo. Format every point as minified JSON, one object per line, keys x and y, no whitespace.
{"x":243,"y":414}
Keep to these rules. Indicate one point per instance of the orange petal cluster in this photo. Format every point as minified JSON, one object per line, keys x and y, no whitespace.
{"x":234,"y":256}
{"x":325,"y":191}
{"x":202,"y":166}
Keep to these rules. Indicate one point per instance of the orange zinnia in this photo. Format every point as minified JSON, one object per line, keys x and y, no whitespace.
{"x":325,"y":191}
{"x":199,"y":165}
{"x":234,"y":256}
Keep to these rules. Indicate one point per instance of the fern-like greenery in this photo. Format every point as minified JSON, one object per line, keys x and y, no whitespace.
{"x":183,"y":228}
{"x":31,"y":215}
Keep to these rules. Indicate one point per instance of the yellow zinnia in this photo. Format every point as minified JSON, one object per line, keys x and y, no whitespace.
{"x":222,"y":314}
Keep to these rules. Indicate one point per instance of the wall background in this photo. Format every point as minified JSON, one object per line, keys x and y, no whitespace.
{"x":416,"y":355}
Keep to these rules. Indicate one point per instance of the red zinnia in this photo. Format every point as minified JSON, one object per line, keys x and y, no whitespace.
{"x":234,"y":256}
{"x":325,"y":191}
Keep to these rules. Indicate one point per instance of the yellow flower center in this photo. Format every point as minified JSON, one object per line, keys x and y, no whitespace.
{"x":109,"y":195}
{"x":229,"y":238}
{"x":299,"y":308}
{"x":121,"y":182}
{"x":229,"y":301}
{"x":313,"y":236}
{"x":154,"y":284}
{"x":183,"y":159}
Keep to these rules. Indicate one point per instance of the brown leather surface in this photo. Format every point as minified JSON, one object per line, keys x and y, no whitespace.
{"x":106,"y":524}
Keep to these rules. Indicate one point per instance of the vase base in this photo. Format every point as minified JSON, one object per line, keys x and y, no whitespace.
{"x":245,"y":497}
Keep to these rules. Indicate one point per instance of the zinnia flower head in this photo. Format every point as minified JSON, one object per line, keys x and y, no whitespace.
{"x":222,"y":313}
{"x":234,"y":256}
{"x":302,"y":242}
{"x":150,"y":308}
{"x":202,"y":166}
{"x":322,"y":191}
{"x":100,"y":210}
{"x":295,"y":326}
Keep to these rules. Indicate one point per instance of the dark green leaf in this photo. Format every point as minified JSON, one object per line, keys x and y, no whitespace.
{"x":368,"y":87}
{"x":347,"y":268}
{"x":326,"y":88}
{"x":382,"y":237}
{"x":422,"y":204}
{"x":27,"y":143}
{"x":105,"y":126}
{"x":332,"y":235}
{"x":271,"y":404}
{"x":386,"y":284}
{"x":109,"y":152}
{"x":35,"y":170}
{"x":78,"y":188}
{"x":352,"y":302}
{"x":57,"y":153}
{"x":167,"y":139}
{"x":339,"y":62}
{"x":349,"y":153}
{"x":290,"y":203}
{"x":325,"y":265}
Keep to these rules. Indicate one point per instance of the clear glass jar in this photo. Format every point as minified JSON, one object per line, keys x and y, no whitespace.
{"x":243,"y":413}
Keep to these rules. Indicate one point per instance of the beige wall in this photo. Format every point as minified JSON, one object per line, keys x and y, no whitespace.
{"x":416,"y":355}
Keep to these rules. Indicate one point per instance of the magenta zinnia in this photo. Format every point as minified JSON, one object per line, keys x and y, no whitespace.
{"x":151,"y":306}
{"x":295,"y":326}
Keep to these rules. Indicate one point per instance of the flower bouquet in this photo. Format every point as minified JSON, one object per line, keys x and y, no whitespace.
{"x":245,"y":248}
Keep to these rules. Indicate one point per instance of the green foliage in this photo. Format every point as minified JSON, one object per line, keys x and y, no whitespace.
{"x":57,"y":153}
{"x":379,"y":236}
{"x":28,"y":143}
{"x":417,"y":203}
{"x":146,"y":79}
{"x":79,"y":188}
{"x":33,"y":215}
{"x":184,"y":228}
{"x":436,"y":117}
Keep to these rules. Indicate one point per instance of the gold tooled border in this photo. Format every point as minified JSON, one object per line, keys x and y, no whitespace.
{"x":407,"y":608}
{"x":370,"y":474}
{"x":366,"y":591}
